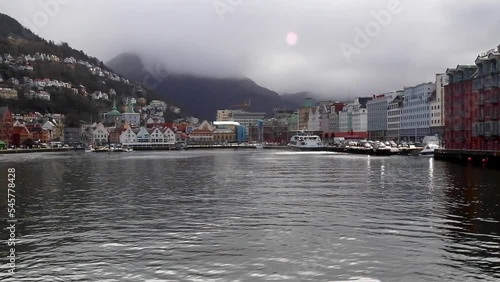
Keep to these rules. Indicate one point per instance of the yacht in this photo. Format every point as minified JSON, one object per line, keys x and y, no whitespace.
{"x":89,"y":149}
{"x":306,"y":141}
{"x":431,"y":143}
{"x":428,"y":150}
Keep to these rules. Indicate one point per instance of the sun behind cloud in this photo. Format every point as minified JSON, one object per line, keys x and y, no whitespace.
{"x":292,"y":38}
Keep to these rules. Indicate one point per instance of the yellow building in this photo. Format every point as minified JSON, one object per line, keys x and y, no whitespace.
{"x":8,"y":93}
{"x":223,"y":135}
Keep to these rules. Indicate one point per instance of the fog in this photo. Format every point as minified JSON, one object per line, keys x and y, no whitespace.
{"x":284,"y":45}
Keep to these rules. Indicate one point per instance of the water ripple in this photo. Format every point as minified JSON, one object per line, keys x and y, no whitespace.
{"x":236,"y":215}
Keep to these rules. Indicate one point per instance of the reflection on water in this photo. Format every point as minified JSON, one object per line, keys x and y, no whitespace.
{"x":252,"y":216}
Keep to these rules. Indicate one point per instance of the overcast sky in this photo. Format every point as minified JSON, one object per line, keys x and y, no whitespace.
{"x":249,"y":37}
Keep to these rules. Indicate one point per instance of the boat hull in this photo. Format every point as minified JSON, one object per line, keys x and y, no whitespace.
{"x":307,"y":148}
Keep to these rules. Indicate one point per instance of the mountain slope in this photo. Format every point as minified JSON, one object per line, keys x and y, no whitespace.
{"x":20,"y":48}
{"x":201,"y":96}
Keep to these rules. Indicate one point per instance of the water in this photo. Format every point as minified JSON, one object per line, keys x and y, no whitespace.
{"x":260,"y":215}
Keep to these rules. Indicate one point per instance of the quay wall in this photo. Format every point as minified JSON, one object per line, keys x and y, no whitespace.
{"x":489,"y":158}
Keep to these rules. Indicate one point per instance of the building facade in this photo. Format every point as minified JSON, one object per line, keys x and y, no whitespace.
{"x":415,"y":117}
{"x":485,"y":123}
{"x":394,"y":110}
{"x":378,"y":115}
{"x":460,"y":103}
{"x":353,"y":120}
{"x":437,"y":106}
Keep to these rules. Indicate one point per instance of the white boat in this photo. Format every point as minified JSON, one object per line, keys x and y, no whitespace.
{"x":306,"y":141}
{"x":89,"y":149}
{"x":428,"y":150}
{"x":259,"y":146}
{"x":128,"y":149}
{"x":431,"y":144}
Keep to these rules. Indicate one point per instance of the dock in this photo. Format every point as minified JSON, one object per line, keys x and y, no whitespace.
{"x":37,"y":150}
{"x":489,"y":158}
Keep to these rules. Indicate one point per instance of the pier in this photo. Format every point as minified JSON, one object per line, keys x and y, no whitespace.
{"x":489,"y":158}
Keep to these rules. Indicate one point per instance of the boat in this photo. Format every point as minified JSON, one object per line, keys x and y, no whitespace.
{"x":102,"y":150}
{"x":259,"y":146}
{"x":89,"y":149}
{"x":305,"y":140}
{"x":431,"y":144}
{"x":428,"y":150}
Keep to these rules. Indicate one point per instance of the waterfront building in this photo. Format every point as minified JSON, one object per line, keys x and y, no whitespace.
{"x":143,"y":136}
{"x":223,"y":134}
{"x":314,"y":119}
{"x":128,"y":136}
{"x":460,"y":104}
{"x":330,"y":120}
{"x":303,"y":114}
{"x":229,"y":131}
{"x":273,"y":131}
{"x":415,"y":117}
{"x":242,"y":117}
{"x":72,"y":135}
{"x":437,"y":106}
{"x":203,"y":134}
{"x":6,"y":124}
{"x":20,"y":134}
{"x":100,"y":135}
{"x":486,"y":124}
{"x":353,"y":120}
{"x":394,"y":110}
{"x":378,"y":114}
{"x":169,"y":136}
{"x":114,"y":134}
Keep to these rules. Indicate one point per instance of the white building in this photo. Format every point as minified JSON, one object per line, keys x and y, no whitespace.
{"x":354,"y":118}
{"x":155,"y":137}
{"x":100,"y":135}
{"x":314,"y":119}
{"x":415,"y":118}
{"x":437,"y":106}
{"x":128,"y":137}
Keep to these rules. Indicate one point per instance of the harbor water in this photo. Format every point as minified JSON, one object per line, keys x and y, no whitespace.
{"x":249,"y":215}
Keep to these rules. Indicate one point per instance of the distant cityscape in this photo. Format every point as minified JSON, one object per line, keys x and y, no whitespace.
{"x":460,"y":107}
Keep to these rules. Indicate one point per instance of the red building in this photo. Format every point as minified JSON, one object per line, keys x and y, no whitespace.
{"x":471,"y":104}
{"x":459,"y":107}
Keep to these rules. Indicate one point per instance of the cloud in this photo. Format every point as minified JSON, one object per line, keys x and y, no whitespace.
{"x":249,"y":40}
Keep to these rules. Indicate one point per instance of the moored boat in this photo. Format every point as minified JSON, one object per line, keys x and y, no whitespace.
{"x":428,"y":150}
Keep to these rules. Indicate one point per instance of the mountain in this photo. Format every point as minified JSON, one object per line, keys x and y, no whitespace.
{"x":201,"y":96}
{"x":26,"y":58}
